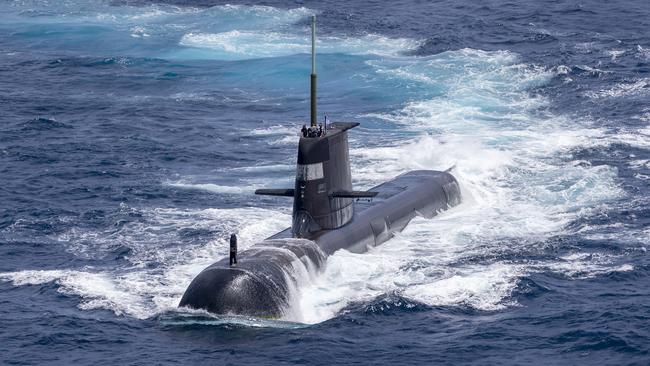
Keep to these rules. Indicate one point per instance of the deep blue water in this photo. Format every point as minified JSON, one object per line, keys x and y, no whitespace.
{"x":132,"y":135}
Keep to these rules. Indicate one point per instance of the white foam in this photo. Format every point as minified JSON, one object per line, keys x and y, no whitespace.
{"x":266,"y":168}
{"x":246,"y":185}
{"x":585,"y":265}
{"x":98,"y":290}
{"x":139,"y":32}
{"x":262,"y":32}
{"x":519,"y":183}
{"x":638,"y":87}
{"x":594,"y":71}
{"x":563,"y":70}
{"x":216,"y":188}
{"x":142,"y":289}
{"x":641,"y":163}
{"x":615,"y":53}
{"x":244,"y":44}
{"x":301,"y":274}
{"x":643,"y":53}
{"x":274,"y":131}
{"x":635,"y":138}
{"x":483,"y":288}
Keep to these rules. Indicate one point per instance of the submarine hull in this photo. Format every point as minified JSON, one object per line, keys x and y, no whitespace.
{"x":262,"y":283}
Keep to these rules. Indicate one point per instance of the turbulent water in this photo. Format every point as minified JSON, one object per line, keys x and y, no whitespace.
{"x":133,"y":134}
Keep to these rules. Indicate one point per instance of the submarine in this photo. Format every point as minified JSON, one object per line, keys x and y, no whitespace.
{"x":328,"y":215}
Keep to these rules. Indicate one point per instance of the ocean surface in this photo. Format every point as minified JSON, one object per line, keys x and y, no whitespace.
{"x":133,"y":134}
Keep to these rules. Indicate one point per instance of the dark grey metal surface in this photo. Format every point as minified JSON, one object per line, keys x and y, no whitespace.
{"x":261,"y":283}
{"x":313,"y":72}
{"x":325,"y":159}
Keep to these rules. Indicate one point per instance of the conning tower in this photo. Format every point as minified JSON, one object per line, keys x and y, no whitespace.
{"x":323,"y":196}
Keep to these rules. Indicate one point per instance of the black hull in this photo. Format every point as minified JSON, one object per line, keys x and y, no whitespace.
{"x":262,"y":283}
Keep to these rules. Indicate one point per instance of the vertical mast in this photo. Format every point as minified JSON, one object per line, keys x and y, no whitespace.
{"x":313,"y":71}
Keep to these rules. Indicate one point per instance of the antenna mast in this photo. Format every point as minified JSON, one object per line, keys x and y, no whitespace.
{"x":313,"y":71}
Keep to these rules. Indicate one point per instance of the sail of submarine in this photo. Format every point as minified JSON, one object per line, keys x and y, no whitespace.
{"x":328,"y":215}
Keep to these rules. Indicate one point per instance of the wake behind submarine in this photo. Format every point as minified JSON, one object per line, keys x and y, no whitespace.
{"x":328,"y":215}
